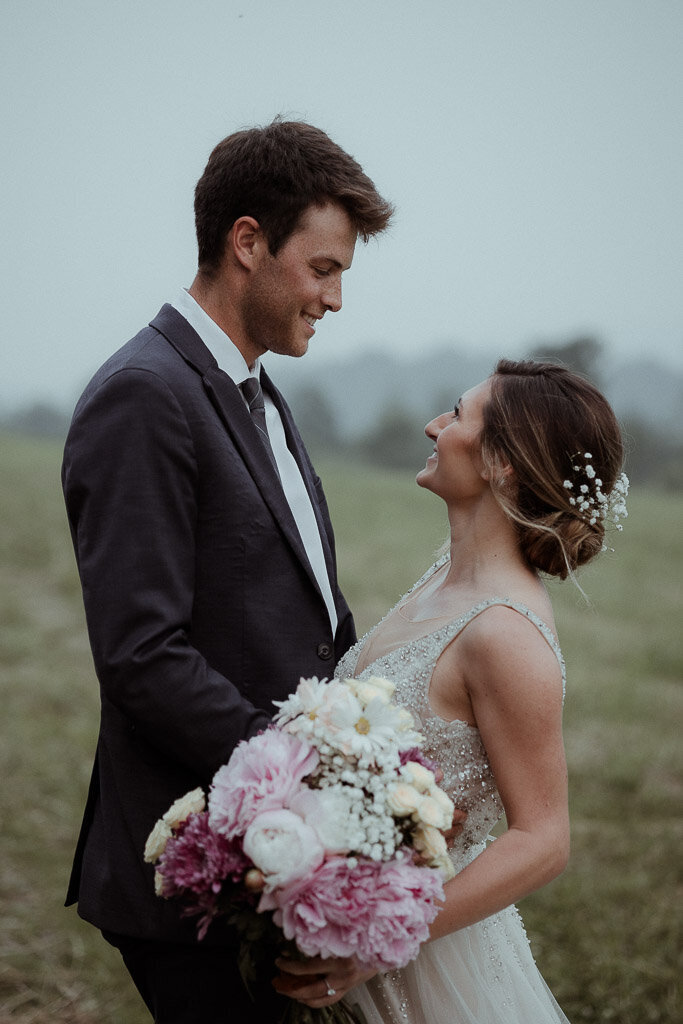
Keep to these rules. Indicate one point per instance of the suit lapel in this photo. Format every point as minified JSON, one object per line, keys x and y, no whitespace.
{"x":227,"y":400}
{"x":296,"y":447}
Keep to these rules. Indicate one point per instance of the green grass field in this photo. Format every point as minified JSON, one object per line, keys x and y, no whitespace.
{"x":606,"y":934}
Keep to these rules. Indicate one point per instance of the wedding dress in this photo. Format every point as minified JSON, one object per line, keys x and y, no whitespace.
{"x":485,"y":973}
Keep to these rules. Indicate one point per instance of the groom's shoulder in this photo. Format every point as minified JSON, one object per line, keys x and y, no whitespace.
{"x":150,"y":351}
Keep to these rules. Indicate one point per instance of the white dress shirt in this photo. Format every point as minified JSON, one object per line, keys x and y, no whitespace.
{"x":231,"y":360}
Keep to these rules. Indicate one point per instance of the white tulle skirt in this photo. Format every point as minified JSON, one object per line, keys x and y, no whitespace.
{"x":484,"y":974}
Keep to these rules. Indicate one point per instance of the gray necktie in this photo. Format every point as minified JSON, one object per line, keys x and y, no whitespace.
{"x":251,"y":389}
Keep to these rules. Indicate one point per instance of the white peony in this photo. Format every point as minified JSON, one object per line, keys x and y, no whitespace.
{"x":329,"y":812}
{"x":283,"y":847}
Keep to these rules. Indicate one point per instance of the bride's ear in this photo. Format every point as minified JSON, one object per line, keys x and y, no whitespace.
{"x":498,"y":472}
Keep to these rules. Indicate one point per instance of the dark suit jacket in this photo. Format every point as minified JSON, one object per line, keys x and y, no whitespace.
{"x":201,"y":604}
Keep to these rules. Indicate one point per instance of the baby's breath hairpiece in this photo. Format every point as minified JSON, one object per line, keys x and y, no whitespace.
{"x":588,"y":498}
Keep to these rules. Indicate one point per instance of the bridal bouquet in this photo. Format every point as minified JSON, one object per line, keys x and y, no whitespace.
{"x":322,"y":835}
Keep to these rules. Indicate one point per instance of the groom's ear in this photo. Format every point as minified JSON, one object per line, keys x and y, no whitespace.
{"x":246,"y":242}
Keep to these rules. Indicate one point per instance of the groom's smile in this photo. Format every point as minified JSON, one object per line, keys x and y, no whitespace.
{"x":291,"y":291}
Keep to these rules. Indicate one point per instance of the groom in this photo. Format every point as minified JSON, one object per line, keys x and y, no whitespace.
{"x":202,"y":537}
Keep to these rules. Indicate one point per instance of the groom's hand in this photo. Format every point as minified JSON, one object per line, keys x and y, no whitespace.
{"x":319,"y":982}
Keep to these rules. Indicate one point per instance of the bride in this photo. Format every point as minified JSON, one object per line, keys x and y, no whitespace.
{"x":529,"y":467}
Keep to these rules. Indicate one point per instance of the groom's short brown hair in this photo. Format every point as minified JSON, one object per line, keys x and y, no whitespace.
{"x":274,"y":174}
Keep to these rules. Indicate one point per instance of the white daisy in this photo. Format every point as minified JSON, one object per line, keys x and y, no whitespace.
{"x":362,"y":731}
{"x":299,"y":713}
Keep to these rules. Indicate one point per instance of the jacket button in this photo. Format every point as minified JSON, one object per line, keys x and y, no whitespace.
{"x":325,"y":651}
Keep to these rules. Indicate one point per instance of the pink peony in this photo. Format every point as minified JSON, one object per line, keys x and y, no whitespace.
{"x":262,"y":775}
{"x":378,"y":911}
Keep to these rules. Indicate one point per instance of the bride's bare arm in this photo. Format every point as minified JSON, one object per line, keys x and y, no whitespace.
{"x":514,"y":683}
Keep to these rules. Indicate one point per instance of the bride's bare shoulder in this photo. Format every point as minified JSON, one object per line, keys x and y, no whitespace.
{"x":505,"y":653}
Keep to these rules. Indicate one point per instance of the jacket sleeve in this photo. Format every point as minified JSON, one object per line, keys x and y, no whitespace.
{"x":130,"y":481}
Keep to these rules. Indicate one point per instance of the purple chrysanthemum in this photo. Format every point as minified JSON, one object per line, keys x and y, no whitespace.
{"x":198,"y":860}
{"x":415,"y":754}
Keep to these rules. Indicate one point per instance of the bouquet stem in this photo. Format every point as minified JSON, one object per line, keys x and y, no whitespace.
{"x":339,"y":1013}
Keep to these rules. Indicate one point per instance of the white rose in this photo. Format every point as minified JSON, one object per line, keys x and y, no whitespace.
{"x":407,"y":723}
{"x":403,"y":800}
{"x":429,"y":842}
{"x":283,"y":847}
{"x":445,"y":802}
{"x":423,"y":779}
{"x":366,"y":691}
{"x":156,"y":841}
{"x":417,"y":775}
{"x":442,"y":863}
{"x":376,"y":686}
{"x":382,"y":684}
{"x":430,"y":812}
{"x":192,"y":803}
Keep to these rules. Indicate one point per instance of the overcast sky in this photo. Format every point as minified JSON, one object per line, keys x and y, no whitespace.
{"x":533,"y":148}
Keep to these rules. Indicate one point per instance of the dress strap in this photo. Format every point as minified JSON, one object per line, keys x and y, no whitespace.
{"x":426,"y":575}
{"x":449,"y":632}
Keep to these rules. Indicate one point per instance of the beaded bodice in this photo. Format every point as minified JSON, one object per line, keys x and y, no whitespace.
{"x":456,"y":746}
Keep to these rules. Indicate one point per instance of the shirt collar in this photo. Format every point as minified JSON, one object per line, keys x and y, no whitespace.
{"x":224,"y":351}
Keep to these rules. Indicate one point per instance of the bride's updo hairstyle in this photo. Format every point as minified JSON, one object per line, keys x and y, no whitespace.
{"x":564,"y":444}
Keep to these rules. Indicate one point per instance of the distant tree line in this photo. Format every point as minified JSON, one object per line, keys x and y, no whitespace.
{"x":397,"y":442}
{"x":39,"y":419}
{"x":396,"y":439}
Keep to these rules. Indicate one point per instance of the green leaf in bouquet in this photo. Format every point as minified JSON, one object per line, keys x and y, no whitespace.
{"x":259,"y":944}
{"x":252,"y":926}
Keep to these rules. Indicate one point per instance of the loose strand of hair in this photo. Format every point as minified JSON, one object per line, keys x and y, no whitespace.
{"x":516,"y":517}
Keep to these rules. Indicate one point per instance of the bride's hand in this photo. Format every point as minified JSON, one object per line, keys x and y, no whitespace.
{"x":319,"y":982}
{"x":459,"y":819}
